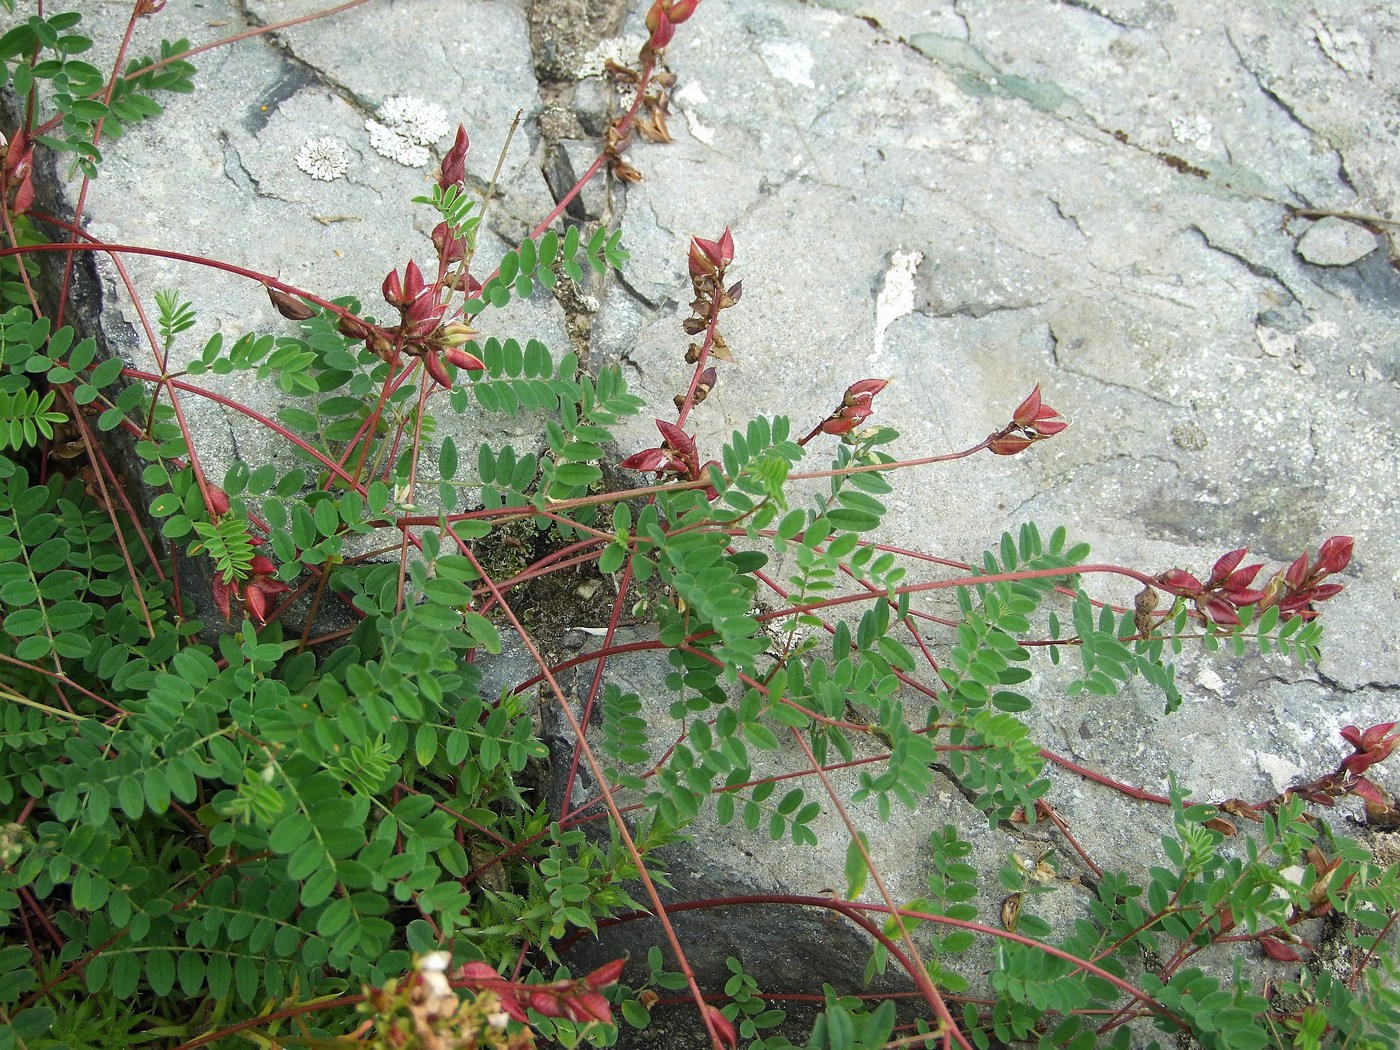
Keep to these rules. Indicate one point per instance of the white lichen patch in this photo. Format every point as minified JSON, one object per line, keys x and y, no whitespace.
{"x":406,"y":128}
{"x":595,"y":61}
{"x":422,"y":123}
{"x":324,"y":159}
{"x":1192,"y":131}
{"x":389,"y":143}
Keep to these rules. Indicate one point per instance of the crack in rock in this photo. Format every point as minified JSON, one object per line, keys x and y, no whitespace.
{"x":1268,"y":92}
{"x":1259,"y":269}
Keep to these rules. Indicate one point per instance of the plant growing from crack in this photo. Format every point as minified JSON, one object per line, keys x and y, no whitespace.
{"x":327,"y":836}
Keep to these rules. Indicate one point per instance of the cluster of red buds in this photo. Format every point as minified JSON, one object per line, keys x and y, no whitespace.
{"x":1292,"y":590}
{"x":425,"y":329}
{"x":708,"y":262}
{"x":262,"y":583}
{"x":677,"y":456}
{"x":855,"y":408}
{"x":662,"y":19}
{"x":648,"y":118}
{"x":17,"y":173}
{"x":1369,"y":747}
{"x":581,"y":1000}
{"x":1031,"y":422}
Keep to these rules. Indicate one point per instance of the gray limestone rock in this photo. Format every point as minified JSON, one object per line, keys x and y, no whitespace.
{"x":1089,"y":196}
{"x":1335,"y":242}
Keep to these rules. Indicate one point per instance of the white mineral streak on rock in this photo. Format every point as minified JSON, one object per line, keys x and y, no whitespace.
{"x":896,"y":298}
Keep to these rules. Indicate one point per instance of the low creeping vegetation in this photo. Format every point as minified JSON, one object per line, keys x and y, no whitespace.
{"x":301,"y":819}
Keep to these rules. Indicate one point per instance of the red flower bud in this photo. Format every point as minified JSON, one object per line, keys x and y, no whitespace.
{"x":413,"y":285}
{"x":1028,"y":409}
{"x":676,"y":438}
{"x":547,"y":1003}
{"x":221,"y":591}
{"x":290,"y":307}
{"x":352,"y":328}
{"x":1009,"y":444}
{"x":433,"y":364}
{"x":1373,"y":737}
{"x":449,"y":247}
{"x":393,"y":289}
{"x":649,"y":459}
{"x":19,"y":169}
{"x":662,"y":32}
{"x":1277,"y":950}
{"x":1180,"y":581}
{"x":607,"y":974}
{"x":702,"y":257}
{"x":256,"y":594}
{"x":711,"y":493}
{"x":726,"y":247}
{"x":1370,"y":793}
{"x":705,"y":384}
{"x":847,"y":419}
{"x":1242,"y":578}
{"x":864,"y":390}
{"x":1334,"y":555}
{"x":454,"y":164}
{"x":467,"y":284}
{"x":424,"y":313}
{"x":679,"y":10}
{"x":837,"y":426}
{"x":721,"y":1024}
{"x":1226,"y":565}
{"x":1297,"y":574}
{"x":1245,"y":595}
{"x":585,"y":1006}
{"x":1218,"y":611}
{"x":459,"y":358}
{"x":477,"y":971}
{"x":256,"y":604}
{"x":262,"y":566}
{"x":216,"y":501}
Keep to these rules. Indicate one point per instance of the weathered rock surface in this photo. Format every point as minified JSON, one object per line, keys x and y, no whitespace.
{"x":1126,"y":201}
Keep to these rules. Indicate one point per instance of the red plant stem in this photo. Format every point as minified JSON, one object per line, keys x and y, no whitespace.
{"x":705,"y":347}
{"x":75,"y":967}
{"x":1359,"y":966}
{"x":38,"y":911}
{"x":597,"y":770}
{"x":1048,"y":812}
{"x":920,"y":972}
{"x":622,"y":124}
{"x":268,"y":1018}
{"x":1099,"y":778}
{"x":852,"y":908}
{"x":330,"y":464}
{"x":102,"y":472}
{"x":81,"y":204}
{"x":94,"y":245}
{"x":595,"y":685}
{"x":258,"y":31}
{"x":64,"y":680}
